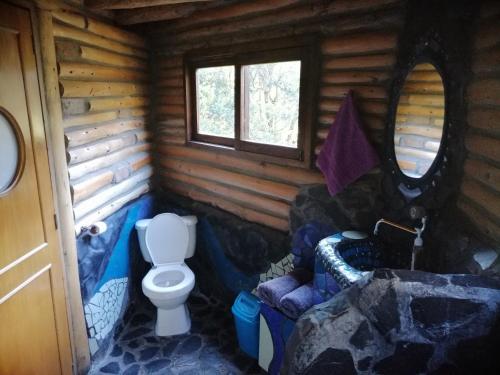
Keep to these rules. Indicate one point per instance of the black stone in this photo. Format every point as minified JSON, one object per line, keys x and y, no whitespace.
{"x":117,"y":351}
{"x":408,"y":359}
{"x":169,"y":348}
{"x":386,"y":314}
{"x":140,"y":319}
{"x":111,"y":368}
{"x":157,"y":365}
{"x":332,"y":361}
{"x":136,"y":333}
{"x":364,"y":364}
{"x":132,"y":370}
{"x":434,"y":312}
{"x":474,"y":281}
{"x":190,"y":345}
{"x":147,"y":354}
{"x":151,"y":339}
{"x":128,"y":358}
{"x":428,"y":278}
{"x":362,"y":336}
{"x":133,"y":344}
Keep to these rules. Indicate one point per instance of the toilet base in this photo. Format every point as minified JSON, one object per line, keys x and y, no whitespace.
{"x":174,"y":321}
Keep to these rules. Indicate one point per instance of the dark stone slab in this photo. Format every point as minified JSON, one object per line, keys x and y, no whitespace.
{"x":128,"y":358}
{"x":332,"y":361}
{"x":408,"y":359}
{"x":362,"y":336}
{"x":386,"y":313}
{"x":111,"y":368}
{"x":428,"y":278}
{"x":169,"y":348}
{"x":136,"y":333}
{"x":151,"y":339}
{"x":140,"y":319}
{"x":133,"y":344}
{"x":432,"y":313}
{"x":475,"y":281}
{"x":117,"y":351}
{"x":132,"y":370}
{"x":364,"y":364}
{"x":148,"y":353}
{"x":158,"y":365}
{"x":190,"y":345}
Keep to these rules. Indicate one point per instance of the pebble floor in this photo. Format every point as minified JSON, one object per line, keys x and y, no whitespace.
{"x":210,"y":347}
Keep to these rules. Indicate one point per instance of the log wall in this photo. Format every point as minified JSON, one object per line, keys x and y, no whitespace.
{"x":104,"y":87}
{"x":480,"y":190}
{"x":358,"y":42}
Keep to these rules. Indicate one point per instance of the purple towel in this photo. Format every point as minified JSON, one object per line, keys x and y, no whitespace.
{"x":346,"y":154}
{"x":295,"y":303}
{"x":273,"y":290}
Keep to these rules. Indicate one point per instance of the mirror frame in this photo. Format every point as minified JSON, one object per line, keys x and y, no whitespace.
{"x":427,"y":51}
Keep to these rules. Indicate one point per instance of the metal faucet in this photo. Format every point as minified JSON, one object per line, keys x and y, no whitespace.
{"x":418,"y":243}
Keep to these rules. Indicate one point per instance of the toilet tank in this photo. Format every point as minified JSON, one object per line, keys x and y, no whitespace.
{"x":190,"y":222}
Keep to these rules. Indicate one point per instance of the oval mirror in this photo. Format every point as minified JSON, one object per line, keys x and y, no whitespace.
{"x":419,"y":120}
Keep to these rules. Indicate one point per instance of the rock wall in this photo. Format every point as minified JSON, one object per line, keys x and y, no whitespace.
{"x":401,"y":322}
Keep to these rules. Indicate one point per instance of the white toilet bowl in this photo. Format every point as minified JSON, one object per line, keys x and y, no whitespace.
{"x":168,"y":288}
{"x":166,"y":239}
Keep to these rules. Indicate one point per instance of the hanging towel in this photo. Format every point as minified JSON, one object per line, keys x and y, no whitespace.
{"x":273,"y":290}
{"x":346,"y":154}
{"x":295,"y":303}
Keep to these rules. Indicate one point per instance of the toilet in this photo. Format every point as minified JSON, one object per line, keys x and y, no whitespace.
{"x":166,"y":240}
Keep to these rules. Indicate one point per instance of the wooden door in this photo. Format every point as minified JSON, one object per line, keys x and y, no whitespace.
{"x":34,"y":334}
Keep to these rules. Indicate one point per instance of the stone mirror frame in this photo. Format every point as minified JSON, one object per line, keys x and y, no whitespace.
{"x":424,"y":77}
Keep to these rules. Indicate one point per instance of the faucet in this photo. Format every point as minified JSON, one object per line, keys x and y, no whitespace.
{"x":418,"y":243}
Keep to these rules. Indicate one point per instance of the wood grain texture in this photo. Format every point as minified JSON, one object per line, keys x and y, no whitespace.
{"x":480,"y":199}
{"x":357,"y":53}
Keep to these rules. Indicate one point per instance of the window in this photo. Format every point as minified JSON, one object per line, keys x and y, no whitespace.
{"x":253,"y":101}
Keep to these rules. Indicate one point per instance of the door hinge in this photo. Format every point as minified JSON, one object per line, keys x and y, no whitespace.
{"x":55,"y":221}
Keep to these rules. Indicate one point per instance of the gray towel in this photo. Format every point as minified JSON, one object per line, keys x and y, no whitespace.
{"x":295,"y":303}
{"x":273,"y":290}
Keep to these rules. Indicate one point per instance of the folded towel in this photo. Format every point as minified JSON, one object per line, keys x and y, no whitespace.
{"x":295,"y":303}
{"x":346,"y":154}
{"x":273,"y":290}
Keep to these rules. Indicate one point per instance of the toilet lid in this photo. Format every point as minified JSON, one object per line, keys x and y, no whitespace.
{"x":167,"y":239}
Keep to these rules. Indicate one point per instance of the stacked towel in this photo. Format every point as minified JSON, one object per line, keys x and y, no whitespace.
{"x":295,"y":303}
{"x":272,"y":291}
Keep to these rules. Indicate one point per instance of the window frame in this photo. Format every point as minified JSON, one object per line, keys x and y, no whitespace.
{"x":304,"y":49}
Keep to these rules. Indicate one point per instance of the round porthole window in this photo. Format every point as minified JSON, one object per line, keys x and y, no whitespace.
{"x":11,"y":152}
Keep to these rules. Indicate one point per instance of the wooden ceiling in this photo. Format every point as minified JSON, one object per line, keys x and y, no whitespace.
{"x":131,"y":12}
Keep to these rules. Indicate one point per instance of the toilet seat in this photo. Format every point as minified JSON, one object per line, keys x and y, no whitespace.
{"x":155,"y":283}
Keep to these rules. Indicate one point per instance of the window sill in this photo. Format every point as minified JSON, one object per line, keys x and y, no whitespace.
{"x":262,"y":158}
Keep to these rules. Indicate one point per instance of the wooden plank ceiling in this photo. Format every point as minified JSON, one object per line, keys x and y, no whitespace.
{"x":130,"y":12}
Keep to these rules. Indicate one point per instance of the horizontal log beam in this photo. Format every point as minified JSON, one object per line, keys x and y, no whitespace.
{"x":79,"y":170}
{"x":90,"y":185}
{"x":99,"y":28}
{"x":82,"y":71}
{"x":86,"y":89}
{"x":359,"y":43}
{"x":250,"y":200}
{"x":89,"y":119}
{"x":132,"y":4}
{"x":87,"y":135}
{"x":110,"y":208}
{"x":290,"y":175}
{"x":258,"y":185}
{"x":117,"y":103}
{"x":67,"y":32}
{"x":91,"y":204}
{"x":226,"y":205}
{"x":158,"y":13}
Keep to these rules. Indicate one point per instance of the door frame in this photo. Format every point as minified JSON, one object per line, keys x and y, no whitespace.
{"x":48,"y":81}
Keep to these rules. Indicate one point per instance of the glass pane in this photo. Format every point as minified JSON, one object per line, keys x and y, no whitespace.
{"x":271,"y":103}
{"x":9,"y":154}
{"x":419,"y":120}
{"x":215,"y":100}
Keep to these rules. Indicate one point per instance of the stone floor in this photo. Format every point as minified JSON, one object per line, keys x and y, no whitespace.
{"x":210,"y":348}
